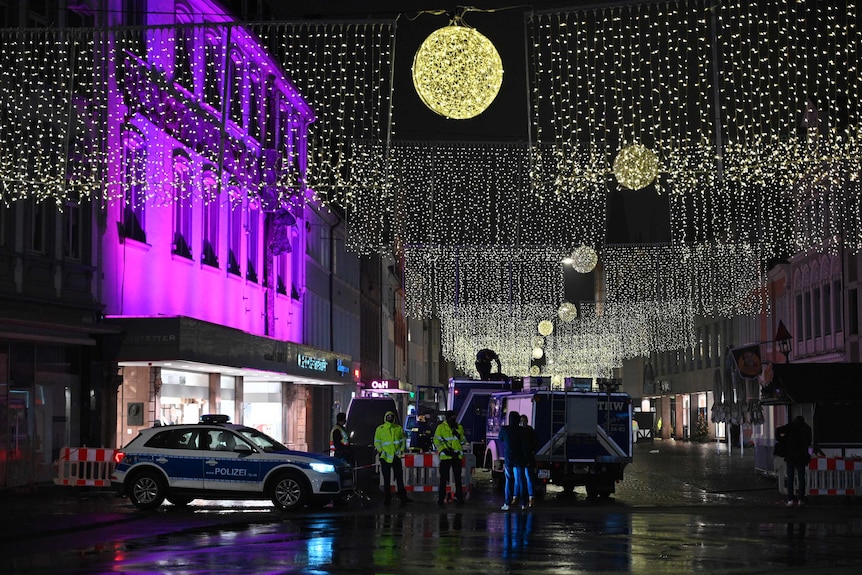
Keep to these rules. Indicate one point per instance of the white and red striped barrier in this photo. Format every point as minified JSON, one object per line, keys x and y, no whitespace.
{"x":85,"y":466}
{"x":834,"y":476}
{"x":422,"y":473}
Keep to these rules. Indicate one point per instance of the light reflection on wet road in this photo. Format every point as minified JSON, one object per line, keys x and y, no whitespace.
{"x":684,"y":510}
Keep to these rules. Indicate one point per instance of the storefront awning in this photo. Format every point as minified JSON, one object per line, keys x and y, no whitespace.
{"x":178,"y":339}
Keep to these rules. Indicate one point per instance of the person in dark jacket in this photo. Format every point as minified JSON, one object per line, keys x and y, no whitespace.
{"x":797,"y":439}
{"x":513,"y":439}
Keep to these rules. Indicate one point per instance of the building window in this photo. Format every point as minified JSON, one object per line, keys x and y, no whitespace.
{"x":827,"y":309}
{"x":252,"y":256}
{"x":296,"y":262}
{"x":234,"y":233}
{"x":799,"y":321}
{"x":237,"y":87}
{"x":209,"y":221}
{"x":838,"y":308}
{"x":184,"y":50}
{"x":281,"y":280}
{"x":37,"y":223}
{"x":213,"y":67}
{"x":806,"y":302}
{"x":72,"y":231}
{"x":182,"y":206}
{"x":853,"y":311}
{"x":815,"y":310}
{"x":135,"y":185}
{"x":254,"y":90}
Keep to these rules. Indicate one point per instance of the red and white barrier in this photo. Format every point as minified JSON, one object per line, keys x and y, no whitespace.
{"x":834,"y":476}
{"x":85,"y":466}
{"x":422,"y":473}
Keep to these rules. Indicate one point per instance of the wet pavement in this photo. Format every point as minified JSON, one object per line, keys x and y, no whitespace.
{"x":682,"y":508}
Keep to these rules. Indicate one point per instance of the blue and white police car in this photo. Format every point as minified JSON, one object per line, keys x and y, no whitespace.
{"x":215,"y":459}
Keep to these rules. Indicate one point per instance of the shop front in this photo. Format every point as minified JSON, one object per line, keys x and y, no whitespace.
{"x":175,"y":369}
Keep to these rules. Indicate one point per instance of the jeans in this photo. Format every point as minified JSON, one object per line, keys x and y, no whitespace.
{"x":797,"y":469}
{"x":528,"y":479}
{"x":515,"y":483}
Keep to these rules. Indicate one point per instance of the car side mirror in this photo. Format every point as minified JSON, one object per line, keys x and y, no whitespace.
{"x":242,"y":449}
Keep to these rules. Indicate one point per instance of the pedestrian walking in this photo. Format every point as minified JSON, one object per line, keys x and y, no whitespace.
{"x":390,"y":444}
{"x":796,"y":437}
{"x":530,"y":446}
{"x":515,"y":461}
{"x":339,"y":439}
{"x":449,"y":439}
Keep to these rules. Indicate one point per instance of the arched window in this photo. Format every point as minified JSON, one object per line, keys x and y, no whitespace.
{"x":210,"y":217}
{"x":214,"y":69}
{"x":184,"y":48}
{"x":237,"y":87}
{"x":133,"y":224}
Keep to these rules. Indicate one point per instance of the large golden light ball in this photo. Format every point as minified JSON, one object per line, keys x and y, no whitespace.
{"x":636,"y":167}
{"x":546,"y":327}
{"x":584,"y":259}
{"x":567,"y":312}
{"x":457,"y":72}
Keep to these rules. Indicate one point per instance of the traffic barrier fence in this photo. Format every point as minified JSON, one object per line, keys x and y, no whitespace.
{"x":826,"y":476}
{"x":85,"y":466}
{"x":422,"y":473}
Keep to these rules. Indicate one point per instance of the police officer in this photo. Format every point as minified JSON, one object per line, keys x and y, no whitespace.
{"x":339,"y":440}
{"x":390,"y":445}
{"x":449,"y":440}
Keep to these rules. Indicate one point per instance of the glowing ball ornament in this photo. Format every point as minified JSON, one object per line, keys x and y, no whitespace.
{"x":538,"y":352}
{"x":537,"y":341}
{"x":584,"y":259}
{"x":567,"y":312}
{"x":636,"y":167}
{"x":534,"y":370}
{"x":546,"y":328}
{"x":457,"y":72}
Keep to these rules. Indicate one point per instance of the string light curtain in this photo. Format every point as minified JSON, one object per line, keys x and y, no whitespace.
{"x":52,"y":107}
{"x":441,"y":277}
{"x":721,"y":280}
{"x":451,"y":193}
{"x":345,"y":70}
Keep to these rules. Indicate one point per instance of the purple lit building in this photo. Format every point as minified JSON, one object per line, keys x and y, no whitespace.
{"x":210,"y":237}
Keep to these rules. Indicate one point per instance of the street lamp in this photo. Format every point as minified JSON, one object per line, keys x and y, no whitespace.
{"x":783,"y":338}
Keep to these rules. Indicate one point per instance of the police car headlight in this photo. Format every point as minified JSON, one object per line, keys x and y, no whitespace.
{"x":323,"y":467}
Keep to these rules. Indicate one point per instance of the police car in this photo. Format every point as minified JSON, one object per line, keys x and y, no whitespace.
{"x":215,"y":459}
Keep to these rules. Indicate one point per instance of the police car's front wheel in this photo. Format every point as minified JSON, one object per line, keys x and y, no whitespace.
{"x":289,"y":491}
{"x":147,"y":490}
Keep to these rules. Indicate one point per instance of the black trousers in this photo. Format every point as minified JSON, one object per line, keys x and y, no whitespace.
{"x":386,"y":469}
{"x":447,"y":467}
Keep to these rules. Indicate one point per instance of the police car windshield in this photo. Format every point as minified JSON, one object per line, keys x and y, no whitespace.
{"x":261,"y":440}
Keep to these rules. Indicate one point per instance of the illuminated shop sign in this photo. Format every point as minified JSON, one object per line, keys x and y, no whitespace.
{"x":341,"y":368}
{"x":384,"y":384}
{"x":311,"y":362}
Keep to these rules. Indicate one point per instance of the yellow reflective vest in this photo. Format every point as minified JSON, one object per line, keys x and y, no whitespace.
{"x":389,"y":441}
{"x":446,"y":437}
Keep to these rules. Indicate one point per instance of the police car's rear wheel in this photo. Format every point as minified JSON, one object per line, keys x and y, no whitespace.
{"x":147,"y":490}
{"x":289,"y":491}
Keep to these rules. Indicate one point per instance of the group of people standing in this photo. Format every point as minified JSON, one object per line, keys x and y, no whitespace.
{"x":519,"y":454}
{"x":390,"y":444}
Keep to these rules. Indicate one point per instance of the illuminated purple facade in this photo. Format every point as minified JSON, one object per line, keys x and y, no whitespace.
{"x":204,"y":255}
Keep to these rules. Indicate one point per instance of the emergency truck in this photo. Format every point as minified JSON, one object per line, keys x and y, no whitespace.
{"x":468,"y":398}
{"x":584,"y":437}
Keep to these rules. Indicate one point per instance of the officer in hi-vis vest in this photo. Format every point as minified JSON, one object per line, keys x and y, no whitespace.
{"x":339,"y":440}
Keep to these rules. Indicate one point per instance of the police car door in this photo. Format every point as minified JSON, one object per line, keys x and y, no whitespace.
{"x":227,"y":468}
{"x":178,"y":454}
